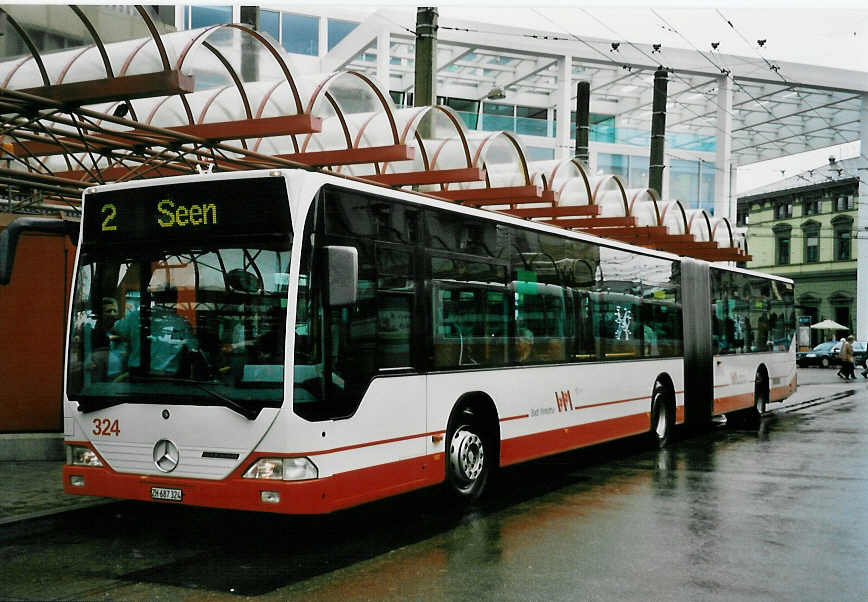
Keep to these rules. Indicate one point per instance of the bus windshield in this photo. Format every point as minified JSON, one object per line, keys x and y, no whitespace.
{"x":202,"y":326}
{"x":181,"y":295}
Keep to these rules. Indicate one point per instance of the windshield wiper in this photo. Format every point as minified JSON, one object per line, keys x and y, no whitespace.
{"x":230,"y":403}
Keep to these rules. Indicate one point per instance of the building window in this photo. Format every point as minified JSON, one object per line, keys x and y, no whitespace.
{"x":782,"y":244}
{"x":844,"y":203}
{"x":783,"y":209}
{"x":783,"y":251}
{"x":531,"y":121}
{"x":843,"y":227}
{"x":812,"y":249}
{"x":811,"y":234}
{"x":842,"y":245}
{"x":811,"y":206}
{"x":204,"y":16}
{"x":497,"y":116}
{"x":269,"y":22}
{"x":300,"y":34}
{"x":338,"y":30}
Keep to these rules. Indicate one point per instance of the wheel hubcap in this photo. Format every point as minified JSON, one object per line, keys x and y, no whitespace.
{"x":467,"y":455}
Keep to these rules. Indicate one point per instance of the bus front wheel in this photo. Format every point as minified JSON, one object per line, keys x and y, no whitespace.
{"x":468,"y":459}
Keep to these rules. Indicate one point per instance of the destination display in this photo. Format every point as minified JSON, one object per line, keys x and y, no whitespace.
{"x":195,"y":211}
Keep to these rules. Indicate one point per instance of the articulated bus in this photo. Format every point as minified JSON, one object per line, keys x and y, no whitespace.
{"x":298,"y":342}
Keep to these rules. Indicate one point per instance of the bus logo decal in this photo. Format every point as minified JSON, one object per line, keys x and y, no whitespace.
{"x":166,"y":455}
{"x":565,"y":402}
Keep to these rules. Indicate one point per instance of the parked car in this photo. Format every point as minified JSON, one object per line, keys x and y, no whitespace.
{"x":821,"y":355}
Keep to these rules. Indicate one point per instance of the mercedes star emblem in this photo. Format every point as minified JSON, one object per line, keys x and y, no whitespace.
{"x":166,"y":455}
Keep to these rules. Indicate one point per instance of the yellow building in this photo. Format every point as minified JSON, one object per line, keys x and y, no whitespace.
{"x":802,"y":227}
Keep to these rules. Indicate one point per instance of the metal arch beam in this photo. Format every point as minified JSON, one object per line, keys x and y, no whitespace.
{"x":30,"y":46}
{"x":96,"y":39}
{"x":265,"y":44}
{"x":149,"y":23}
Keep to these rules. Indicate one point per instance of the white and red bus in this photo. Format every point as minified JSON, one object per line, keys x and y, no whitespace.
{"x":292,"y":341}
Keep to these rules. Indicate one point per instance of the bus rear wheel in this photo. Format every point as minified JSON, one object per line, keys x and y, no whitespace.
{"x":468,"y":459}
{"x":760,"y":393}
{"x":662,"y":415}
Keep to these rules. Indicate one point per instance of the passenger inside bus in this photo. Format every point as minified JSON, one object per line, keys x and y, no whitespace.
{"x":524,"y":345}
{"x":172,"y":344}
{"x":96,"y":339}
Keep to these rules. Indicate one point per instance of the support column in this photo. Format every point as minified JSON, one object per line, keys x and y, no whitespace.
{"x":249,"y":16}
{"x":724,"y":201}
{"x":425,"y":94}
{"x":861,"y":233}
{"x":323,"y":37}
{"x":583,"y":115}
{"x":563,"y":148}
{"x":658,"y":131}
{"x":383,"y":58}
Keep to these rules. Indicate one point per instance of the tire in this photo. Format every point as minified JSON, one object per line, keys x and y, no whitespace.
{"x":825,"y":362}
{"x":469,"y":457}
{"x":662,"y":416}
{"x":760,"y":394}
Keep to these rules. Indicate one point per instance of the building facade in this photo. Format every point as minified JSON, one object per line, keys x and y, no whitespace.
{"x":803,"y":228}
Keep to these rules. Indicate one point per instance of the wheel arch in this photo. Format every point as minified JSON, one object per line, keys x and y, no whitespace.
{"x":763,"y":371}
{"x":664,"y":379}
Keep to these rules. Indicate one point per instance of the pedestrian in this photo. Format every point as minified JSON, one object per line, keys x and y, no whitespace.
{"x":847,"y":367}
{"x":840,"y":346}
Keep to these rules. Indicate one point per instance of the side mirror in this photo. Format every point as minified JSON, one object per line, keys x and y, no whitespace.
{"x":342,"y":269}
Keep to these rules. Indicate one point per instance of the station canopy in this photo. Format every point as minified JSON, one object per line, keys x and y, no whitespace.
{"x":227,"y":97}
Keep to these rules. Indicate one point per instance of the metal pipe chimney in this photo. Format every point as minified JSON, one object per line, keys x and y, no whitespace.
{"x":658,"y":131}
{"x":425,"y":94}
{"x":583,"y":113}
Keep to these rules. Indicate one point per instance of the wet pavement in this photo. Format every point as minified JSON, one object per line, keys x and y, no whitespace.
{"x":734,"y":514}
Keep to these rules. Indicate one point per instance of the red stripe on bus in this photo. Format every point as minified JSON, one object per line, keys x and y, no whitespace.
{"x":515,"y":417}
{"x":537,"y":445}
{"x":316,"y":496}
{"x":361,"y":445}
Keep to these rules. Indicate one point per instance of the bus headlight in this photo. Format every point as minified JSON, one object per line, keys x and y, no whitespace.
{"x":286,"y":469}
{"x":78,"y":455}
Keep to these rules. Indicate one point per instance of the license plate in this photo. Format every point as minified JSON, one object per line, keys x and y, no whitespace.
{"x":166,"y":493}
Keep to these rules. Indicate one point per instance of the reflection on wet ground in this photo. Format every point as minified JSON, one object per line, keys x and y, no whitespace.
{"x":779,"y":512}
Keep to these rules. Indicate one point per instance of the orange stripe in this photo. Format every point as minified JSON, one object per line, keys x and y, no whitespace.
{"x":781,"y":393}
{"x":722,"y":405}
